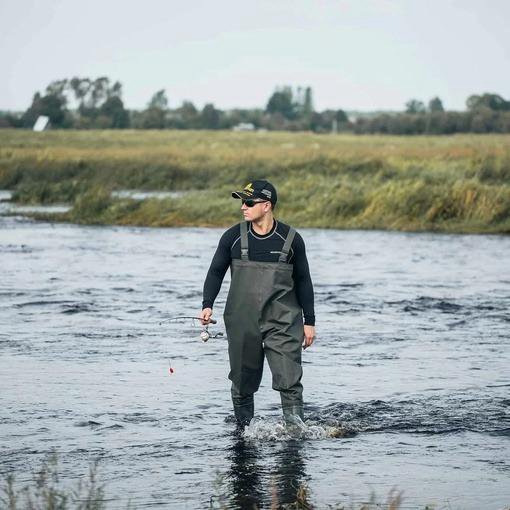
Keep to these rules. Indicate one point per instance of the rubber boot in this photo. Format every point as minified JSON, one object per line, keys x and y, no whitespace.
{"x":243,"y":410}
{"x":294,"y":416}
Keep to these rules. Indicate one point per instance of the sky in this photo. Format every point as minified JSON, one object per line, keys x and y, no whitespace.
{"x":355,"y":54}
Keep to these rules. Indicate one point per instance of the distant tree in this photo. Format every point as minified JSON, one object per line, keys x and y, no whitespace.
{"x":10,"y":120}
{"x":231,"y":118}
{"x":115,"y":90}
{"x":281,"y":102}
{"x":51,"y":105}
{"x":308,"y":102}
{"x":415,"y":106}
{"x":436,"y":105}
{"x":184,"y":117}
{"x":341,"y":117}
{"x":113,"y":109}
{"x":154,"y":116}
{"x":189,"y":115}
{"x":276,"y":121}
{"x":159,"y":100}
{"x":99,"y":103}
{"x":210,"y":117}
{"x":99,"y":92}
{"x":80,"y":87}
{"x":58,"y":88}
{"x":188,"y":110}
{"x":302,"y":102}
{"x":490,"y":101}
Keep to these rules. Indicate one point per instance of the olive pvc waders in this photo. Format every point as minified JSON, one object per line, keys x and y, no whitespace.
{"x":263,"y":317}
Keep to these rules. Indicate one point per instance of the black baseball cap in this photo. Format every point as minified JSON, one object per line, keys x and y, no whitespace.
{"x":260,"y":189}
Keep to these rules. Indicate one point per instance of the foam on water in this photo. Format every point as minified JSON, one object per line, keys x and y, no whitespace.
{"x":278,"y":430}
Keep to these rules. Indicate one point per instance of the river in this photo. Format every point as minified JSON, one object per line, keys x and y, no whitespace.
{"x":412,"y":356}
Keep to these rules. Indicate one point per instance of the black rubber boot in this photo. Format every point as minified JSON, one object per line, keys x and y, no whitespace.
{"x":243,"y":410}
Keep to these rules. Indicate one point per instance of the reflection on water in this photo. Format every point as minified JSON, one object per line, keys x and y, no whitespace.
{"x":250,"y":482}
{"x":21,"y":209}
{"x":5,"y":195}
{"x":407,"y":383}
{"x":6,"y":207}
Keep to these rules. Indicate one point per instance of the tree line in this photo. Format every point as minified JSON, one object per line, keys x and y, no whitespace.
{"x":85,"y":103}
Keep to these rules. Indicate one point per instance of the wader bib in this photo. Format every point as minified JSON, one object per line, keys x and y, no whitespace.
{"x":263,"y":317}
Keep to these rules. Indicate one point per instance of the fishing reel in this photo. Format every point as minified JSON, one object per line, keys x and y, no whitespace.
{"x":205,"y":334}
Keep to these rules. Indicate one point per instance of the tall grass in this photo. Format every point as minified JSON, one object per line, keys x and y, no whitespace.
{"x":454,"y":184}
{"x":47,"y":492}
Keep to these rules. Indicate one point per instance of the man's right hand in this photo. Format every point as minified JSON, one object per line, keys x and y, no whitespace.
{"x":205,"y":315}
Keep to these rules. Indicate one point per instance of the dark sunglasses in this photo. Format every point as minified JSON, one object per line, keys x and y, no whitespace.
{"x":250,"y":202}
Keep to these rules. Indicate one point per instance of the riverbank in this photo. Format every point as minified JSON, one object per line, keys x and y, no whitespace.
{"x":443,"y":184}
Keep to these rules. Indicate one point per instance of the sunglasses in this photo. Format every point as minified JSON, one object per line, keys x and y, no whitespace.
{"x":250,"y":202}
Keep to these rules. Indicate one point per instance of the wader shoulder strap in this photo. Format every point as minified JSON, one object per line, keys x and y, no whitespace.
{"x":287,"y":244}
{"x":244,"y":240}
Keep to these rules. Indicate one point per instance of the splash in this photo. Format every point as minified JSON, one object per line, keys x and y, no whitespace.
{"x":271,"y":430}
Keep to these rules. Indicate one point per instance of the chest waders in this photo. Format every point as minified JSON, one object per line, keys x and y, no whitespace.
{"x":263,"y":317}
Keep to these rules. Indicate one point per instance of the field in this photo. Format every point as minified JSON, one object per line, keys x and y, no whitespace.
{"x":447,"y":183}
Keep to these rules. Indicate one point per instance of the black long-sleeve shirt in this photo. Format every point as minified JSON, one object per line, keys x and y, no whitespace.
{"x":262,"y":248}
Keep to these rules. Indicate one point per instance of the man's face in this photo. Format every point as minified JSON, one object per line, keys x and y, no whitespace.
{"x":256,"y":212}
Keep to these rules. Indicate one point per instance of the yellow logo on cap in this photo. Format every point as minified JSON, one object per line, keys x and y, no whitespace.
{"x":248,"y":187}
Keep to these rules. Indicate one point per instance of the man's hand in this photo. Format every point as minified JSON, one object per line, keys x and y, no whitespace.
{"x":205,"y":315}
{"x":308,"y":336}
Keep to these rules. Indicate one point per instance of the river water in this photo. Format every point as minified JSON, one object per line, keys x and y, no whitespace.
{"x":411,"y":356}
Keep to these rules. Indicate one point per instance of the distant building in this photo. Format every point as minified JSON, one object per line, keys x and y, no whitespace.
{"x":244,"y":126}
{"x":41,"y":123}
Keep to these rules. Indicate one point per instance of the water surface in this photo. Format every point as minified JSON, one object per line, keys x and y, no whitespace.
{"x":412,"y":355}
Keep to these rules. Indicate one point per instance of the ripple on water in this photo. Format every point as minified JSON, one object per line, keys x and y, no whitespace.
{"x":438,"y":414}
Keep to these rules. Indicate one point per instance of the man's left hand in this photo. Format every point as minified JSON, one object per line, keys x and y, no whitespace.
{"x":308,"y":336}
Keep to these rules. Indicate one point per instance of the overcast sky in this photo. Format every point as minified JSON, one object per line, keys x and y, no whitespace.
{"x":355,"y":54}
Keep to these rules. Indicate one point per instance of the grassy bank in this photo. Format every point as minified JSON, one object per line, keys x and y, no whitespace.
{"x":448,"y":184}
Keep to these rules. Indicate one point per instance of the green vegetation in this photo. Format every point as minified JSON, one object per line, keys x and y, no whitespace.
{"x":449,"y":184}
{"x":48,"y":493}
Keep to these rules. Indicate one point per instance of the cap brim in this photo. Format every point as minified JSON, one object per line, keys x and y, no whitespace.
{"x":240,"y":194}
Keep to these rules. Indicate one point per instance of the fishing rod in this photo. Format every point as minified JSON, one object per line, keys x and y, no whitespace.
{"x":208,"y":321}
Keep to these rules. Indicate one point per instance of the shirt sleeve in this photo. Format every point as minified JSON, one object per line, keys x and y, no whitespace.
{"x":303,"y":281}
{"x":219,"y":265}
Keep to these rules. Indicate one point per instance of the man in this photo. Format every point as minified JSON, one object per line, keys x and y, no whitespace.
{"x":270,"y":292}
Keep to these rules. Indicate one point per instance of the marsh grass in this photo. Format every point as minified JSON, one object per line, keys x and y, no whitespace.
{"x":47,"y":492}
{"x":449,"y":184}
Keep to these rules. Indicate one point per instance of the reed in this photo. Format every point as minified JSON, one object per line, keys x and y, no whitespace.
{"x":47,"y":491}
{"x":455,"y":183}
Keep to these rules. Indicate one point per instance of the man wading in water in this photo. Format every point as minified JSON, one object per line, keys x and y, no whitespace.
{"x":270,"y":292}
